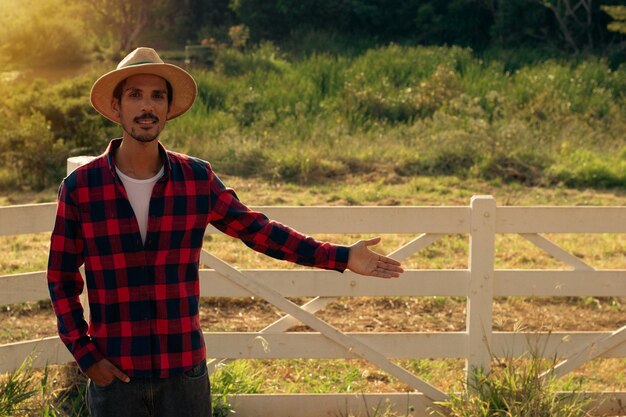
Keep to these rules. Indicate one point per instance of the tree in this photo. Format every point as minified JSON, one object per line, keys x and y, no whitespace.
{"x":574,"y":19}
{"x":124,"y":19}
{"x":179,"y":22}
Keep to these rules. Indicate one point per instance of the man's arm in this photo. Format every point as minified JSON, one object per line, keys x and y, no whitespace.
{"x":65,"y":282}
{"x":271,"y":238}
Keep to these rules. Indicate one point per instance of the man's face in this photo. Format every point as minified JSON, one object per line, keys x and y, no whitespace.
{"x":143,"y":107}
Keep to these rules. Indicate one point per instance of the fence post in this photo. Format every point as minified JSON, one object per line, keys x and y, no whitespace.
{"x":480,"y":294}
{"x":76,"y":161}
{"x":73,"y":163}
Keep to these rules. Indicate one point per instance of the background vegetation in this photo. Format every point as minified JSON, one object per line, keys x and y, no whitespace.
{"x":288,"y":83}
{"x":407,"y":110}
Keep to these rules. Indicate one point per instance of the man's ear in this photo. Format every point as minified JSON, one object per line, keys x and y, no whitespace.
{"x":116,"y":106}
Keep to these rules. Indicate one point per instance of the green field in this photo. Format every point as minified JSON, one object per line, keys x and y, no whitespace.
{"x":393,"y":110}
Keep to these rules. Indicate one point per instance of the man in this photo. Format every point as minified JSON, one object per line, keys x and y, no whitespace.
{"x":136,"y":217}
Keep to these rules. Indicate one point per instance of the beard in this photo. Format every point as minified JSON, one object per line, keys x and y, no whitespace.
{"x":140,"y":136}
{"x":143,"y":137}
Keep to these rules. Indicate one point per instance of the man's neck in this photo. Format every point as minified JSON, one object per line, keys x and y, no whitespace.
{"x":137,"y":159}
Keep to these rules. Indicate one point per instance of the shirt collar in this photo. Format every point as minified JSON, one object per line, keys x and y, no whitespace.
{"x":115,"y":143}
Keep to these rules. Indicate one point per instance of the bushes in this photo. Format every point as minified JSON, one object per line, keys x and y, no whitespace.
{"x":397,"y":104}
{"x":32,"y":153}
{"x":477,"y":24}
{"x":42,"y":126}
{"x":524,"y":168}
{"x":415,"y":110}
{"x":582,"y":168}
{"x":233,"y":62}
{"x":454,"y":159}
{"x":42,"y":34}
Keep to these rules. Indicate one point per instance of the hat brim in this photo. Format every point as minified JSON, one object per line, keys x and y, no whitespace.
{"x":184,"y":88}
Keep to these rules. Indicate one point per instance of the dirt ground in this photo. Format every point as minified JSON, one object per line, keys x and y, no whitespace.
{"x":383,"y":314}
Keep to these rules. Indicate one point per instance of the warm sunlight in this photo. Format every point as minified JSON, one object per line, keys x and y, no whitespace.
{"x":482,"y":140}
{"x":36,"y":33}
{"x":11,"y":7}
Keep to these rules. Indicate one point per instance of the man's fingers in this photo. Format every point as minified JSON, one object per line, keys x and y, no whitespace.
{"x":387,"y":270}
{"x":119,"y":374}
{"x":390,"y":267}
{"x":388,"y":261}
{"x":372,"y":241}
{"x":381,"y":258}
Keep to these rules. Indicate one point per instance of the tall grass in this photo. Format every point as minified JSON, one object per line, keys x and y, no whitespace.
{"x":412,"y":110}
{"x":515,"y":387}
{"x":32,"y":392}
{"x":15,"y":389}
{"x":406,"y":110}
{"x":235,"y":378}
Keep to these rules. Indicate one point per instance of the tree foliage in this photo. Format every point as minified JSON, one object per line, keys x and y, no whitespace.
{"x":54,"y":30}
{"x":619,"y":14}
{"x":127,"y":19}
{"x":464,"y":22}
{"x":33,"y":33}
{"x":570,"y":25}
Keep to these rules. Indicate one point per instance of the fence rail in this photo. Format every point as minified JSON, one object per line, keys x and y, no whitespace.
{"x":479,"y":283}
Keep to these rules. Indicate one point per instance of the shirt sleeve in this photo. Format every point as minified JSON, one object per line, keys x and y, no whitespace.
{"x":65,"y":282}
{"x":270,"y":237}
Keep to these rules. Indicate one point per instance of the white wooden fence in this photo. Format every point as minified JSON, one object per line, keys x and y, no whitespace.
{"x":481,"y":220}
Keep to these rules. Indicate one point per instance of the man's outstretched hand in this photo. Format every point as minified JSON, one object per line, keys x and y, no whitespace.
{"x":365,"y":262}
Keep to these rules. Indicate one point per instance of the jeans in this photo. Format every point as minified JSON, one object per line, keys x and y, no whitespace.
{"x":187,"y":394}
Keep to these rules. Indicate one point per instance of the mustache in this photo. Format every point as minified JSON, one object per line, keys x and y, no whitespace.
{"x":147,"y":116}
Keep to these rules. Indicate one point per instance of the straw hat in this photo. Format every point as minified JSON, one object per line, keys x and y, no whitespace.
{"x":144,"y":61}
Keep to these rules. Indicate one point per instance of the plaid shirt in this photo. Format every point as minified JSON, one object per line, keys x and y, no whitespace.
{"x":144,"y":298}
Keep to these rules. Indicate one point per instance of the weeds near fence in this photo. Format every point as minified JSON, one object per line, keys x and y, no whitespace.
{"x":235,"y":378}
{"x":515,"y":388}
{"x":49,"y":392}
{"x":16,"y":388}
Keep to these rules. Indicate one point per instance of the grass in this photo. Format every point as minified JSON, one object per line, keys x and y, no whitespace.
{"x":237,"y":378}
{"x":412,"y":110}
{"x":16,"y":389}
{"x":319,"y":119}
{"x":514,"y":388}
{"x":605,"y":251}
{"x":55,"y":391}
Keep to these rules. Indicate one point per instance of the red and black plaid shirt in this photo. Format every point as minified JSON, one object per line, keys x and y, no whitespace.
{"x":144,"y":297}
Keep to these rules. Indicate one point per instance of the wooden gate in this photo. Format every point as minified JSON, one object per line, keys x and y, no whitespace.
{"x":479,"y":283}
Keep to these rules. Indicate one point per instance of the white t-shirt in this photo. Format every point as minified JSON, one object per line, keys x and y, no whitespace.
{"x":139,"y":192}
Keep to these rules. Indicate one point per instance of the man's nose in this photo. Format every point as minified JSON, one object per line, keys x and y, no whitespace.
{"x":147,"y":104}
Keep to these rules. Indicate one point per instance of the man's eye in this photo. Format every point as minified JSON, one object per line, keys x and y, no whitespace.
{"x":133,"y":94}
